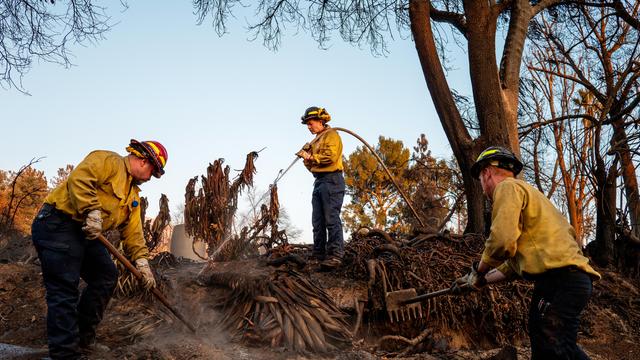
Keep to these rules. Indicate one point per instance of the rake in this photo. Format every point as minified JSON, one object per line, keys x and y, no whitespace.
{"x":137,"y":273}
{"x":405,"y":304}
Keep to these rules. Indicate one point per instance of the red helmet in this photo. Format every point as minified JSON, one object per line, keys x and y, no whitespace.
{"x":151,"y":150}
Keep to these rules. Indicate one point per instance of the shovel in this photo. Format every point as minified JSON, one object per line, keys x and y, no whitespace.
{"x":137,"y":274}
{"x":406,"y":303}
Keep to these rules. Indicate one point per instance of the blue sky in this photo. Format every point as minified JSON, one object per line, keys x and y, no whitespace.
{"x":159,"y":76}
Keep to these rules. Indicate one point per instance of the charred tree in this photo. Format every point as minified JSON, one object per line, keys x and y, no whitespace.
{"x":495,"y":86}
{"x":153,"y":229}
{"x":21,"y":194}
{"x":600,"y":54}
{"x":209,"y":214}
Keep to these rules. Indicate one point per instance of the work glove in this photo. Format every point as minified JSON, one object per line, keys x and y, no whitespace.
{"x":148,"y":281}
{"x":92,"y":225}
{"x":303,"y":154}
{"x":473,"y":281}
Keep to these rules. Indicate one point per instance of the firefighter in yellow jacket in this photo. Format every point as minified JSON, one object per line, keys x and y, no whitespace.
{"x":530,"y":238}
{"x":100,"y":194}
{"x":323,"y":158}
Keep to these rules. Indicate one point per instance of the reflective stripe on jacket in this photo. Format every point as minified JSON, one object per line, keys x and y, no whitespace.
{"x":529,"y":234}
{"x":326,"y":153}
{"x":103,"y":181}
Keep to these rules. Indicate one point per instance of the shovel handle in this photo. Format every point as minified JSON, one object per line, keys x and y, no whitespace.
{"x":137,"y":274}
{"x":427,"y":296}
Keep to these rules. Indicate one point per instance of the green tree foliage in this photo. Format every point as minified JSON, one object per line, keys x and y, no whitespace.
{"x":433,"y":186}
{"x":374,"y":199}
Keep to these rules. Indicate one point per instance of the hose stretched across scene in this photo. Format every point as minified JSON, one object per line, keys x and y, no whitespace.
{"x":371,"y":149}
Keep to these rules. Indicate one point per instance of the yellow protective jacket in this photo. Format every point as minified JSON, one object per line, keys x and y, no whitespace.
{"x":529,"y":234}
{"x":103,"y":181}
{"x":326,"y":152}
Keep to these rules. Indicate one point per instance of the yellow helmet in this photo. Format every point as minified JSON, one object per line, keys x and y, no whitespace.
{"x":315,"y":113}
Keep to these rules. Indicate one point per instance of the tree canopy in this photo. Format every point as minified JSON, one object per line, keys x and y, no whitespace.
{"x":21,"y":195}
{"x":377,"y":203}
{"x":374,"y":199}
{"x":475,"y":25}
{"x":580,"y":134}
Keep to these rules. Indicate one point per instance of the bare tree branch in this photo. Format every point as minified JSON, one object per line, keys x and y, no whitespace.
{"x":43,"y":30}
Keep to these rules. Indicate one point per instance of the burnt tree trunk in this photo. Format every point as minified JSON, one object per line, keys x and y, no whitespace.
{"x":495,"y":90}
{"x":603,"y":249}
{"x":495,"y":93}
{"x":457,"y":134}
{"x":628,"y":170}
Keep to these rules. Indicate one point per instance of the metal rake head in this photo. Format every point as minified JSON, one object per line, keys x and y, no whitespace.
{"x":395,"y":308}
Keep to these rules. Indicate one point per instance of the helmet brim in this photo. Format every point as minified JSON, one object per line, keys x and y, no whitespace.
{"x":476,"y":168}
{"x":305,"y":121}
{"x":157,"y":173}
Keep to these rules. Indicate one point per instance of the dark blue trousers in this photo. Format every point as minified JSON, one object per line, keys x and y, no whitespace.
{"x":328,"y":194}
{"x":66,"y":255}
{"x":559,"y":296}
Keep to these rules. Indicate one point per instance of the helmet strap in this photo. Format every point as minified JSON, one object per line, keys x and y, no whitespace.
{"x":135,"y":152}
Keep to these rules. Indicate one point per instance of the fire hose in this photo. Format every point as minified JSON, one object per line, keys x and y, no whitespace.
{"x":393,"y":180}
{"x":373,"y":152}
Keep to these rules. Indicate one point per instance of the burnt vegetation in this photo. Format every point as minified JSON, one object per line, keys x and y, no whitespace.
{"x":565,"y":94}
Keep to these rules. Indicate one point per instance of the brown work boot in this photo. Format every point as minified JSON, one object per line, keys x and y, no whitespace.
{"x":92,"y":347}
{"x":317,"y":257}
{"x":330,"y":264}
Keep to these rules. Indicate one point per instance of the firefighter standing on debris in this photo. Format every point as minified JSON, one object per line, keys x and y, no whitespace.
{"x":532,"y":239}
{"x":100,"y":194}
{"x":323,"y":158}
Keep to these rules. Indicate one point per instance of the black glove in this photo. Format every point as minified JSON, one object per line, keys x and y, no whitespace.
{"x":473,"y":281}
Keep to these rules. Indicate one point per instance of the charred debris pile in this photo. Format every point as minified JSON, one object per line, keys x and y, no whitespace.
{"x":279,"y":299}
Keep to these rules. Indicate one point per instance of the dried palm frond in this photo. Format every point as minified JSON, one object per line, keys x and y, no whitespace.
{"x":156,"y":229}
{"x":251,"y":237}
{"x":128,"y":286}
{"x":153,"y":229}
{"x":281,"y":308}
{"x":132,"y":321}
{"x":209,"y":213}
{"x":146,"y":225}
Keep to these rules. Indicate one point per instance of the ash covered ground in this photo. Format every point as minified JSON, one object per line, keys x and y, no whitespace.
{"x":139,"y":327}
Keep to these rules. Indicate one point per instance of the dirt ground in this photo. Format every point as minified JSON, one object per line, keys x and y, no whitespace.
{"x":140,"y":328}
